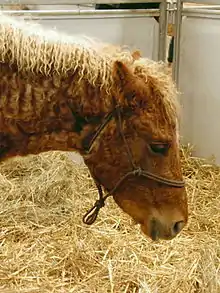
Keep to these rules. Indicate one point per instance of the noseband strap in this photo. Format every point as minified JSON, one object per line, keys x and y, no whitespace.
{"x":92,"y":214}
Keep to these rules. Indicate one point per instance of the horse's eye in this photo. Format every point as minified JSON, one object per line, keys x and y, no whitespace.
{"x":159,"y":148}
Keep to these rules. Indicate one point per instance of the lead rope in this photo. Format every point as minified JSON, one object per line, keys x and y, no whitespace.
{"x":91,"y":215}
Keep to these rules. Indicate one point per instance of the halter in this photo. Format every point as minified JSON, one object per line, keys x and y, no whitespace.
{"x":91,"y":215}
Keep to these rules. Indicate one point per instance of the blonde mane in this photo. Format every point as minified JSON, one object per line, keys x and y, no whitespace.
{"x":33,"y":48}
{"x":36,"y":49}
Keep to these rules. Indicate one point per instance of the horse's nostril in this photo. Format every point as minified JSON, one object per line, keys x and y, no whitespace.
{"x":177,"y":227}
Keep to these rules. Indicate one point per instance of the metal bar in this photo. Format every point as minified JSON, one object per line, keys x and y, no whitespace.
{"x":76,"y":2}
{"x":171,"y":10}
{"x":92,"y":13}
{"x":177,"y":35}
{"x":187,"y":11}
{"x":202,"y":7}
{"x":202,"y":1}
{"x":75,"y":17}
{"x":162,"y":31}
{"x":202,"y":16}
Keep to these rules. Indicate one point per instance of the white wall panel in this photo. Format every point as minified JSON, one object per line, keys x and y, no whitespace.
{"x":200,"y":84}
{"x":139,"y":33}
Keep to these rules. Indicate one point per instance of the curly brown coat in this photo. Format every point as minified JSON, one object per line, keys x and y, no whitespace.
{"x":56,"y":90}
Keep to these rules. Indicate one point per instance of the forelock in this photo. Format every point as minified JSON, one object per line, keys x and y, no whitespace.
{"x":162,"y":82}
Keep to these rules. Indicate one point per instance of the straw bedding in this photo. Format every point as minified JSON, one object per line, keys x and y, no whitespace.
{"x":44,"y":247}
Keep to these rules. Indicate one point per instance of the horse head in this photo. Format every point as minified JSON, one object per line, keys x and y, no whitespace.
{"x":136,"y":155}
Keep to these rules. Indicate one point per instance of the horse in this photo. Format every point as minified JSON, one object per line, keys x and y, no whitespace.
{"x":115,"y":108}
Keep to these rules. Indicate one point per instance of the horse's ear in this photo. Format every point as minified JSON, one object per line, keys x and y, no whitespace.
{"x":121,"y":74}
{"x":136,"y":55}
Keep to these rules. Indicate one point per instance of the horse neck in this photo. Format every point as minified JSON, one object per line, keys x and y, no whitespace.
{"x":40,"y":113}
{"x":74,"y":64}
{"x":88,"y":97}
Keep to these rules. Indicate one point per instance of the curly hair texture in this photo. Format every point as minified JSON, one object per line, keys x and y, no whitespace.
{"x":56,"y":90}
